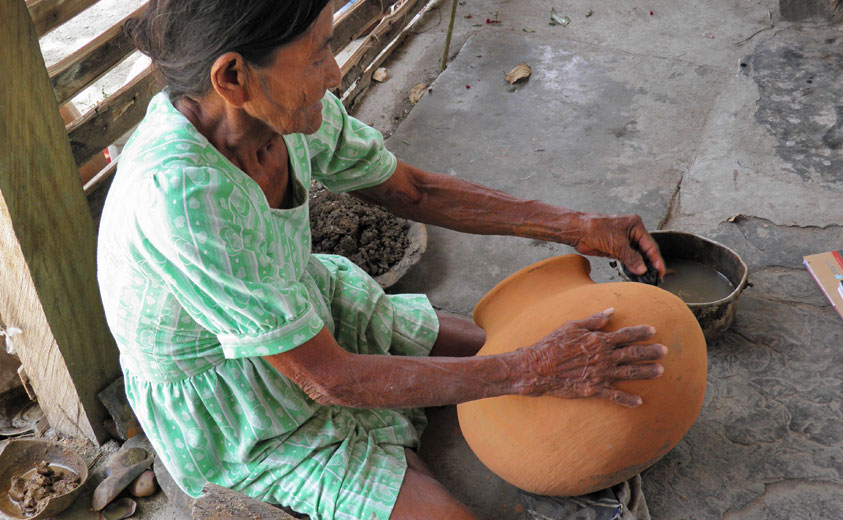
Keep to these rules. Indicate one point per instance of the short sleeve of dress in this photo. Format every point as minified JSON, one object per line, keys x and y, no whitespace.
{"x":345,"y":153}
{"x":215,"y":244}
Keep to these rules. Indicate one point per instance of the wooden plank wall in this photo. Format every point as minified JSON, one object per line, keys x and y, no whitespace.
{"x":49,"y":14}
{"x":48,"y":288}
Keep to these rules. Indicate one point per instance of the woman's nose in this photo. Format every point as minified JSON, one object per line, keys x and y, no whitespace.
{"x":333,"y":76}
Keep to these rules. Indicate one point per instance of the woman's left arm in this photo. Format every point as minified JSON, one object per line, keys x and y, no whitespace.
{"x":457,"y":204}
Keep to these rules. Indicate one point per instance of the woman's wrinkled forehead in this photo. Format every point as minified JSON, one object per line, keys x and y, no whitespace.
{"x":322,"y":31}
{"x":315,"y":39}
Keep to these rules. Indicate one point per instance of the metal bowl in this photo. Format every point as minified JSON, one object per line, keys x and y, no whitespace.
{"x":417,"y":244}
{"x":715,"y":317}
{"x":20,"y":456}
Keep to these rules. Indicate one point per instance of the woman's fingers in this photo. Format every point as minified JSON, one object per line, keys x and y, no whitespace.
{"x":648,"y":371}
{"x":633,"y":260}
{"x":636,"y":353}
{"x":595,"y":321}
{"x":631,"y":334}
{"x":622,"y":398}
{"x":648,"y":247}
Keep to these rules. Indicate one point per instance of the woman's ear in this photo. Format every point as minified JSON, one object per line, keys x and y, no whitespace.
{"x":230,"y":77}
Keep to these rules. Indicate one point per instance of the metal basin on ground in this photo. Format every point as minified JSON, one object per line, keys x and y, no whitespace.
{"x":715,"y":317}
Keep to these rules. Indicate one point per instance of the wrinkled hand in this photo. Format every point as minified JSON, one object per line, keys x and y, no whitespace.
{"x":619,"y":236}
{"x":580,"y":360}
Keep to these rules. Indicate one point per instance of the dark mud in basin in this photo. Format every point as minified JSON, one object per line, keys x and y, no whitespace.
{"x":34,"y":489}
{"x":369,"y":236}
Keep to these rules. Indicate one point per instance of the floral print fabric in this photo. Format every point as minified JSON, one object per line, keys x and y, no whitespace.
{"x":200,"y":279}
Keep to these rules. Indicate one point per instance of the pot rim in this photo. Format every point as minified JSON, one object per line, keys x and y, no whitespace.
{"x":739,"y":287}
{"x":500,"y":286}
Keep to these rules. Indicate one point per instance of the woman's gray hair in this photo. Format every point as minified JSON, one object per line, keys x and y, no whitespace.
{"x":185,"y":37}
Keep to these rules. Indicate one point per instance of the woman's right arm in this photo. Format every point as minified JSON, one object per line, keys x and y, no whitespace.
{"x":576,"y":360}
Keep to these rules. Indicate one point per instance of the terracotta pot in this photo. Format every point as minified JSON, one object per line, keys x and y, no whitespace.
{"x":565,"y":447}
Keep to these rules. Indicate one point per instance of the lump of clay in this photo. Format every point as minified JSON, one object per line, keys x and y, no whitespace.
{"x":565,"y":447}
{"x":33,"y":491}
{"x":369,"y":236}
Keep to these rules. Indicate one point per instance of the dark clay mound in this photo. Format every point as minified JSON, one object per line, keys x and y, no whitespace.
{"x":369,"y":236}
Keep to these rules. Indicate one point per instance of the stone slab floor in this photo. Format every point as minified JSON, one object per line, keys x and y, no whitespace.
{"x":713,"y":117}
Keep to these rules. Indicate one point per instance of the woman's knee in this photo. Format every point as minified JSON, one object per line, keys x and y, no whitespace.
{"x":458,"y":337}
{"x":422,"y":497}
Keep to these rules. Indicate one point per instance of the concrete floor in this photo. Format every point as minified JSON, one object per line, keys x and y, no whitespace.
{"x":677,"y":117}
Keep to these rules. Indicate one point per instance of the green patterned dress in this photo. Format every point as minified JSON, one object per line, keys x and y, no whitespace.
{"x":200,"y":278}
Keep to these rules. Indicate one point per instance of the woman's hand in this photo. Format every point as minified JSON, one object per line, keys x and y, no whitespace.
{"x":619,"y":236}
{"x":580,"y":360}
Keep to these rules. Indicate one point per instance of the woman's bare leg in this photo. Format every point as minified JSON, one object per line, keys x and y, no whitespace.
{"x":415,"y":462}
{"x":458,"y":337}
{"x":422,"y":497}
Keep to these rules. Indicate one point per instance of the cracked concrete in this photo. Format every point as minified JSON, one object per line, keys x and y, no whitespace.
{"x":774,"y":130}
{"x":716,"y":118}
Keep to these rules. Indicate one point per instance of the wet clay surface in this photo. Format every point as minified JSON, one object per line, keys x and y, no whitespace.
{"x":32,"y":490}
{"x":369,"y":236}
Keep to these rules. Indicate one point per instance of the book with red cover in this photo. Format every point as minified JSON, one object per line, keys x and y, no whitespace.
{"x":827,"y":270}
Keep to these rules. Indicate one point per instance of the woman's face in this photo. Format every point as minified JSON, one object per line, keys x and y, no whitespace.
{"x":289,"y":95}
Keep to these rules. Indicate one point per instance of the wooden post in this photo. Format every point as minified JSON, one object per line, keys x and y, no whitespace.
{"x":48,"y":286}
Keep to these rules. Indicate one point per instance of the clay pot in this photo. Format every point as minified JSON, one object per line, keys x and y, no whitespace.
{"x":565,"y":447}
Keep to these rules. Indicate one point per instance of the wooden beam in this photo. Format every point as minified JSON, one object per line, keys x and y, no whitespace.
{"x":83,"y":67}
{"x":103,"y":124}
{"x":354,"y":21}
{"x":49,"y":14}
{"x":378,"y":40}
{"x":48,"y":288}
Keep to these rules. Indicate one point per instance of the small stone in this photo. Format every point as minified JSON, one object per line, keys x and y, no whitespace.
{"x":144,"y":485}
{"x":381,"y":75}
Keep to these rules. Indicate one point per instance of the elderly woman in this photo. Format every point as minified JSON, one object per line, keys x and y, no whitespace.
{"x":288,"y":376}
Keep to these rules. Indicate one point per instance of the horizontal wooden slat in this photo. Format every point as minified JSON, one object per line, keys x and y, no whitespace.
{"x":378,"y":40}
{"x":83,"y":67}
{"x":97,"y":188}
{"x":358,"y":88}
{"x":101,"y":179}
{"x":352,"y":23}
{"x":112,"y":118}
{"x":49,"y":14}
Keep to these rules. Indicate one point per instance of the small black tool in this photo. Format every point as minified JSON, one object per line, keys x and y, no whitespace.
{"x":651,"y":277}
